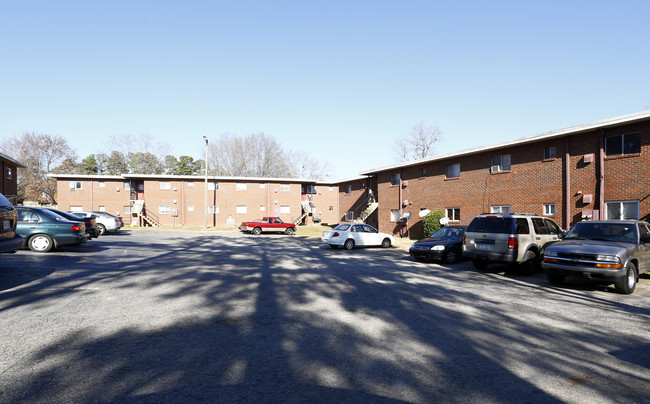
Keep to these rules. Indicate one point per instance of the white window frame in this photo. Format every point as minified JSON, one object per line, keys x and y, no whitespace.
{"x":285,"y":209}
{"x":241,"y":209}
{"x":331,"y":188}
{"x":213,"y":186}
{"x":549,"y":209}
{"x":76,"y":185}
{"x":164,"y":185}
{"x":101,"y":184}
{"x":262,"y":185}
{"x":164,"y":209}
{"x":395,"y":179}
{"x":10,"y":173}
{"x":240,"y":186}
{"x":285,"y":187}
{"x":552,"y":152}
{"x":348,"y":189}
{"x":101,"y":208}
{"x":501,"y":209}
{"x":76,"y":208}
{"x":452,"y":217}
{"x":621,"y":206}
{"x":190,"y":208}
{"x":262,"y":208}
{"x":500,"y":163}
{"x":395,"y":215}
{"x":127,"y":186}
{"x":190,"y":184}
{"x":349,"y":216}
{"x":213,"y":210}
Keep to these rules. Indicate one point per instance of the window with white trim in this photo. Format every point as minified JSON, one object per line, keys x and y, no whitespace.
{"x":549,"y":152}
{"x":213,"y":210}
{"x":127,"y":186}
{"x":76,"y":208}
{"x":331,"y":188}
{"x":101,"y":184}
{"x":453,"y":171}
{"x":453,"y":214}
{"x":349,"y":216}
{"x":240,"y":186}
{"x":10,"y":173}
{"x":348,"y":189}
{"x":102,"y":208}
{"x":75,"y":185}
{"x":423,"y":172}
{"x":311,"y":189}
{"x":213,"y":186}
{"x":500,"y":209}
{"x":285,"y":187}
{"x":331,"y":208}
{"x":126,"y":210}
{"x":285,"y":209}
{"x":622,"y":210}
{"x":190,"y":184}
{"x":500,"y":163}
{"x":190,"y":208}
{"x":164,"y":185}
{"x":262,"y":208}
{"x":395,"y":215}
{"x":549,"y":209}
{"x":164,"y":209}
{"x":241,"y":209}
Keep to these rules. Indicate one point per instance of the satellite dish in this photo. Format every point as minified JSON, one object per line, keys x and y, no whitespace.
{"x":406,"y":215}
{"x":444,"y":221}
{"x":424,"y":212}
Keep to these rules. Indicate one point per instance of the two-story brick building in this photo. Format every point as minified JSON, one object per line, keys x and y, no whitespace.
{"x":595,"y":170}
{"x":9,"y":186}
{"x":173,"y":200}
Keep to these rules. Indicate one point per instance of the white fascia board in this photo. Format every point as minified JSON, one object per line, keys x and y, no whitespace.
{"x":86,"y":177}
{"x":573,"y":130}
{"x":16,"y":162}
{"x":218,"y":178}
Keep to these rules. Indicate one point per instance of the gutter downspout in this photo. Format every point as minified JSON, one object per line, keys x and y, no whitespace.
{"x":92,"y":193}
{"x":567,"y":186}
{"x":601,"y":176}
{"x":182,"y":202}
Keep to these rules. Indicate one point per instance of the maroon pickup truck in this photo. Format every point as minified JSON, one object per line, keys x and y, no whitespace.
{"x":268,"y":225}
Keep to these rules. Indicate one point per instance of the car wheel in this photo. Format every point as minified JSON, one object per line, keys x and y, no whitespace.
{"x":41,"y":243}
{"x":528,"y":265}
{"x":555,"y":278}
{"x":627,"y":284}
{"x":480,"y":263}
{"x":333,"y":246}
{"x":450,"y":257}
{"x":349,"y":244}
{"x":385,"y":243}
{"x":288,"y":231}
{"x":102,"y":229}
{"x":257,"y":231}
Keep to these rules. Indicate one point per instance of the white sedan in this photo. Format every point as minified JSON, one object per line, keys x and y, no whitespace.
{"x":350,"y":235}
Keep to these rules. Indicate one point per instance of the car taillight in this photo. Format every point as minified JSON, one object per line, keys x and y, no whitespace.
{"x":336,"y":234}
{"x":463,"y":239}
{"x":75,"y":228}
{"x":512,"y":243}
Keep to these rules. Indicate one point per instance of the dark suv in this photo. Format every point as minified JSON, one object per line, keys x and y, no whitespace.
{"x":517,"y":239}
{"x":607,"y":251}
{"x":10,"y":241}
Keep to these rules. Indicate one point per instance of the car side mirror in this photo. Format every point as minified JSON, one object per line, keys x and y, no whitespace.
{"x":563,"y":234}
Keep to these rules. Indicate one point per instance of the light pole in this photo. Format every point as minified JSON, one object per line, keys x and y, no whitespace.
{"x":205,"y":185}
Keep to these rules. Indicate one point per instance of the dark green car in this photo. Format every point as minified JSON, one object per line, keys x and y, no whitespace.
{"x":44,"y":230}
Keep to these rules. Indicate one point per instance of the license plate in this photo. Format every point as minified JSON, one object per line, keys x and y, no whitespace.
{"x":484,"y":246}
{"x":421,"y":248}
{"x":6,"y":225}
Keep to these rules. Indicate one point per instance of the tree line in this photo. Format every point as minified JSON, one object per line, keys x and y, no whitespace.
{"x":254,"y":155}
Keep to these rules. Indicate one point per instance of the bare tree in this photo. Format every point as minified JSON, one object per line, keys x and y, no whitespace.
{"x":260,"y":155}
{"x":143,"y":143}
{"x":419,"y":143}
{"x":41,"y":153}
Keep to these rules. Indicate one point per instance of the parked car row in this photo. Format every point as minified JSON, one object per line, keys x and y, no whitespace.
{"x":45,"y":229}
{"x":605,"y":251}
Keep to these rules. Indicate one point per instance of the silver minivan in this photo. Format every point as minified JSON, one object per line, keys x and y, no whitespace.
{"x":517,"y":239}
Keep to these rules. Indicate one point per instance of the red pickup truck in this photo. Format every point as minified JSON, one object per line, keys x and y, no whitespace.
{"x":268,"y":225}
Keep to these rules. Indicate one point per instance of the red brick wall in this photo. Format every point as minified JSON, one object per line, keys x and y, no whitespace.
{"x":526,"y":187}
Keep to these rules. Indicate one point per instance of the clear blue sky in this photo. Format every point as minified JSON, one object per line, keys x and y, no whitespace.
{"x":338,"y":79}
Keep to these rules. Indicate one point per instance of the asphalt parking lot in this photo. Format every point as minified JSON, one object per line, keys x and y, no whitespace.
{"x":164,"y":316}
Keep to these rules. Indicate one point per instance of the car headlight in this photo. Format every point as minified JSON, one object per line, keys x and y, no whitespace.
{"x":607,"y":258}
{"x":438,"y":247}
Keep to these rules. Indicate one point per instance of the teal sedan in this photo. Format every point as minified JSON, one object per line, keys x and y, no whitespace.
{"x":44,"y":230}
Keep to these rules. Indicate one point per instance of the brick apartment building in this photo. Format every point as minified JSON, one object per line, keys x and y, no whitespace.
{"x":590,"y":171}
{"x":9,"y":168}
{"x":596,"y":170}
{"x":172,"y":200}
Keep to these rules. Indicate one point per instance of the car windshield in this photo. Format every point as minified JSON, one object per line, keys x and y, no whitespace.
{"x":448,"y":233}
{"x":491,"y":224}
{"x":620,"y":232}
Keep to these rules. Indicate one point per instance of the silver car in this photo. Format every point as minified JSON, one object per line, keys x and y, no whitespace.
{"x":106,"y":222}
{"x":606,"y":251}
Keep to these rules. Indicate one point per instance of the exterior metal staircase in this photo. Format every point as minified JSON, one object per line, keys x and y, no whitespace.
{"x":140,"y":212}
{"x":306,"y":208}
{"x":367,"y":212}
